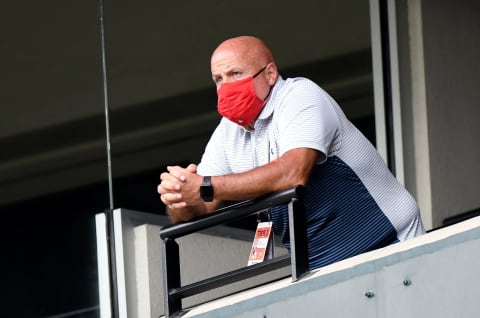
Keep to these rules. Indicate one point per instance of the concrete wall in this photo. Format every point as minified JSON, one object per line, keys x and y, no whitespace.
{"x":138,"y":251}
{"x":435,"y":275}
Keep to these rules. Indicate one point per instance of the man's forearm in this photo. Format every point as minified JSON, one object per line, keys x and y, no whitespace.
{"x":290,"y":170}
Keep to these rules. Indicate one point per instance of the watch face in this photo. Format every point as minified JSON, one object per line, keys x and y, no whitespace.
{"x":206,"y":189}
{"x":206,"y":192}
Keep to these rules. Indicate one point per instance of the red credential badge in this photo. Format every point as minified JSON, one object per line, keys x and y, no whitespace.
{"x":260,"y":243}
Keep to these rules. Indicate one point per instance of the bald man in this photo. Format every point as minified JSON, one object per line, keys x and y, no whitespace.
{"x":278,"y":133}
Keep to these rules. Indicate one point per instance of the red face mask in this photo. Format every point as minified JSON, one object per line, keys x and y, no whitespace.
{"x":239,"y":102}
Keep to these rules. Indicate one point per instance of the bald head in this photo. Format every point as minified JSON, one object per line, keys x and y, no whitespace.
{"x":249,"y":48}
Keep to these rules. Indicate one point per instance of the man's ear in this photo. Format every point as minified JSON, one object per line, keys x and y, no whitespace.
{"x":272,"y":73}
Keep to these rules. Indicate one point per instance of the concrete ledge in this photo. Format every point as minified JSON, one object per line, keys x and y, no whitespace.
{"x":435,"y":275}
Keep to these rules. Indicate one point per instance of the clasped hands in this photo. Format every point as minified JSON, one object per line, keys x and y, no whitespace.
{"x":180,"y":187}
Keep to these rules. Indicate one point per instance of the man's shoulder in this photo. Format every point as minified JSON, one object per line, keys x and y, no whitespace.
{"x":300,"y":85}
{"x":300,"y":81}
{"x":298,"y":89}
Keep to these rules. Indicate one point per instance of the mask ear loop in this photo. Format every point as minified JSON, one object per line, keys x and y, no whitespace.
{"x":269,"y":92}
{"x":259,"y":72}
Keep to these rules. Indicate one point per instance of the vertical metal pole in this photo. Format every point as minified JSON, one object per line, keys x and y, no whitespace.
{"x":298,"y":238}
{"x":105,"y":99}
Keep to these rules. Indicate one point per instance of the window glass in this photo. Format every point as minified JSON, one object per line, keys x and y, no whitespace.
{"x":162,"y":105}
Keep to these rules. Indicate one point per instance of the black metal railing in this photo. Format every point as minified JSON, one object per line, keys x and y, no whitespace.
{"x":297,"y":258}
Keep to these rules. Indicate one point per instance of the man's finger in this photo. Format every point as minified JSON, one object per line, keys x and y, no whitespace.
{"x":177,"y":172}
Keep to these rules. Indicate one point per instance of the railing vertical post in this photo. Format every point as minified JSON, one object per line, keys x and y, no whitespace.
{"x":298,"y":238}
{"x":171,"y":276}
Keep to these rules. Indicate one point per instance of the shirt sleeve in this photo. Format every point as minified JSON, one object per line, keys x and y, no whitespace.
{"x":213,"y":162}
{"x":307,"y":119}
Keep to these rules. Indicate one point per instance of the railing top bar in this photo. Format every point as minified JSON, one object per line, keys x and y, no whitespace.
{"x":232,"y":213}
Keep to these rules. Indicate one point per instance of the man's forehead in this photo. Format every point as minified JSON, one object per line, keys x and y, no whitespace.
{"x":226,"y":60}
{"x":230,"y":52}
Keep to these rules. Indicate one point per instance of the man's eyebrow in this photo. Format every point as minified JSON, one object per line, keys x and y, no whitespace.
{"x":216,"y":74}
{"x":228,"y":72}
{"x":235,"y":70}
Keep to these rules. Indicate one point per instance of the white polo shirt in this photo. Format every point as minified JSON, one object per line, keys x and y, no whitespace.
{"x":354,"y":204}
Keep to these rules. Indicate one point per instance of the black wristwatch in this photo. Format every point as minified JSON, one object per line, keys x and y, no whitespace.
{"x":206,"y":189}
